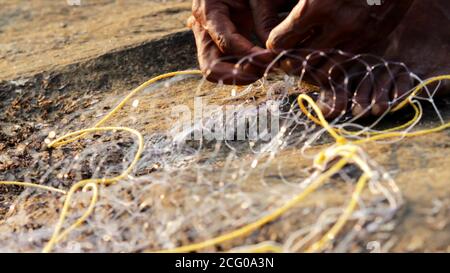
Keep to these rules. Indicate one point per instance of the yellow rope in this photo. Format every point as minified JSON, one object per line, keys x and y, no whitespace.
{"x":331,"y":234}
{"x":409,"y":101}
{"x":344,"y":149}
{"x":126,"y":99}
{"x":57,"y":235}
{"x":92,"y":183}
{"x":266,"y":219}
{"x":419,"y":88}
{"x":340,"y":141}
{"x":31,"y":185}
{"x":264,"y":247}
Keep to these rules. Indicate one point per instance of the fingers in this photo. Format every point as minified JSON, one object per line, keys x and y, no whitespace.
{"x":215,"y":28}
{"x":329,"y":70}
{"x":291,"y":31}
{"x":381,"y":92}
{"x":318,"y":67}
{"x":382,"y":88}
{"x":213,"y":68}
{"x":219,"y":21}
{"x":265,"y":14}
{"x":402,"y":87}
{"x":333,"y":78}
{"x":392,"y":87}
{"x":227,"y":38}
{"x":362,"y":97}
{"x":333,"y":102}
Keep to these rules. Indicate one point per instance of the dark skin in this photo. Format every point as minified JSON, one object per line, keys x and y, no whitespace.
{"x":351,"y":26}
{"x":223,"y":30}
{"x":406,"y":31}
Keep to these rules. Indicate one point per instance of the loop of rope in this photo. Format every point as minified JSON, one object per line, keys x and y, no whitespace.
{"x":345,"y":150}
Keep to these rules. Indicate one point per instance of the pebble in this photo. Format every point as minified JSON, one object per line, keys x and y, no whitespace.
{"x":51,"y":135}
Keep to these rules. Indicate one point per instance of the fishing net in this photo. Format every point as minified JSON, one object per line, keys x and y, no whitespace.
{"x":252,"y":168}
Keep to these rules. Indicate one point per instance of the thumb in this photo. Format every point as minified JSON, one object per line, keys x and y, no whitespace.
{"x":291,"y":31}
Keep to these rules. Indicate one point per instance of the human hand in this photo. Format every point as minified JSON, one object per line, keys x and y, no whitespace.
{"x":349,"y":25}
{"x":223,"y":30}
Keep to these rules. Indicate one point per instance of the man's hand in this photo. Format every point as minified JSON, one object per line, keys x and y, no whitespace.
{"x":349,"y":25}
{"x":223,"y":30}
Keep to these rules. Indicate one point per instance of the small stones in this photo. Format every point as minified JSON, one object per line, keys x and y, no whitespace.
{"x":52,"y":135}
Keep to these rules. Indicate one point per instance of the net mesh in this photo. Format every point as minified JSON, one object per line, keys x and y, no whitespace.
{"x":292,"y":187}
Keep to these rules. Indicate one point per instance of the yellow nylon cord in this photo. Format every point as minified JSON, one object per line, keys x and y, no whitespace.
{"x":264,"y":220}
{"x":265,"y":247}
{"x":343,"y":131}
{"x":126,"y":99}
{"x":331,"y":234}
{"x":89,"y":182}
{"x":57,"y":235}
{"x":31,"y":185}
{"x":344,"y":149}
{"x":92,"y":183}
{"x":419,"y":88}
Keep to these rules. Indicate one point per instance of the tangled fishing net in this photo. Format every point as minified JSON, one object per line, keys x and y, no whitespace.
{"x":133,"y":188}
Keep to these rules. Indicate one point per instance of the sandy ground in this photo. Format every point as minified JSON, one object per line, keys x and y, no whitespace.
{"x":42,"y":35}
{"x":74,"y":62}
